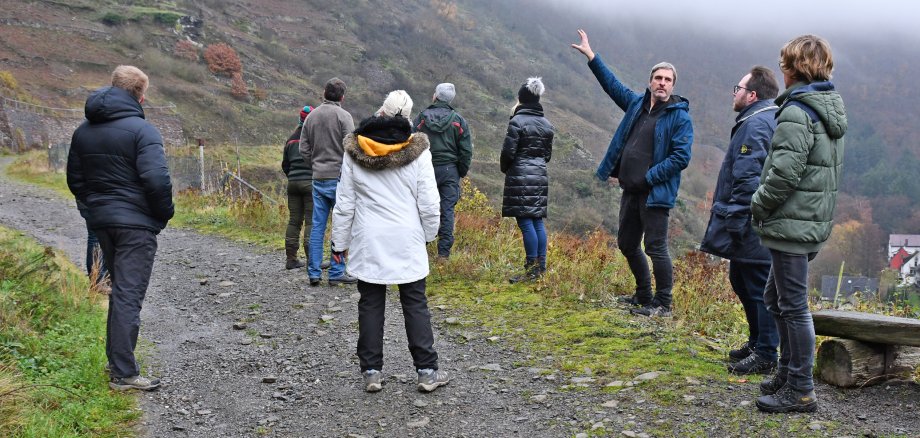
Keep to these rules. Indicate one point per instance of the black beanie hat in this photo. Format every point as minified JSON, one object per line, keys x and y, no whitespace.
{"x":530,"y":91}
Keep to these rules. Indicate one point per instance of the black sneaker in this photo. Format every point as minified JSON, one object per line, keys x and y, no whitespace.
{"x":632,"y":300}
{"x":770,"y":386}
{"x":345,"y":279}
{"x":293,"y":264}
{"x":314,"y":281}
{"x":787,"y":399}
{"x":753,"y":364}
{"x":652,"y":310}
{"x":741,"y":352}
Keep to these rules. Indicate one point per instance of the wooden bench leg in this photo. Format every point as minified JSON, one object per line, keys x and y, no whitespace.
{"x":847,"y":363}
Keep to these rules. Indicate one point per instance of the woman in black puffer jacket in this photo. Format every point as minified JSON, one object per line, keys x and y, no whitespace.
{"x":528,"y":147}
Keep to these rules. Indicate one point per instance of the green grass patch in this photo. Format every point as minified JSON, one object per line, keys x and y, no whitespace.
{"x":32,"y":167}
{"x":51,"y":349}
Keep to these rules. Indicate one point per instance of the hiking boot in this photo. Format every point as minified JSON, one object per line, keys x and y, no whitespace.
{"x":293,"y":264}
{"x":753,"y":364}
{"x":788,"y":399}
{"x":345,"y":279}
{"x":531,"y":272}
{"x":136,"y":382}
{"x":770,"y":386}
{"x":314,"y":281}
{"x":429,"y":380}
{"x":325,"y":265}
{"x":373,"y":380}
{"x":652,"y":310}
{"x":740,"y":353}
{"x":632,"y":300}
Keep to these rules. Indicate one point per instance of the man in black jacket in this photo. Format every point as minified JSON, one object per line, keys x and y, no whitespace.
{"x":730,"y":234}
{"x":117,"y":168}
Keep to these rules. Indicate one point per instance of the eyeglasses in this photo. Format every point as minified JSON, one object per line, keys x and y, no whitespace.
{"x":738,"y":88}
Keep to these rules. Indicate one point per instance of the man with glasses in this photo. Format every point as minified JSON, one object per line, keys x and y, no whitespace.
{"x":730,"y":234}
{"x":647,"y":154}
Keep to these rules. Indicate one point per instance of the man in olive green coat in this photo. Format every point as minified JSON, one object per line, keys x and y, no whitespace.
{"x":793,"y":211}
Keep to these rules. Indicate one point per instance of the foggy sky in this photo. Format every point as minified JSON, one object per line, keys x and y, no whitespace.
{"x":869,"y":19}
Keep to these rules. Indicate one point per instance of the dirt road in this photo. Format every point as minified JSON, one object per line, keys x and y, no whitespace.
{"x":302,"y":340}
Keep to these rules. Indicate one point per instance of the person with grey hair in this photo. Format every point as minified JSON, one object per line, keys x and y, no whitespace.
{"x":451,"y":154}
{"x":648,"y":152}
{"x":386,"y":210}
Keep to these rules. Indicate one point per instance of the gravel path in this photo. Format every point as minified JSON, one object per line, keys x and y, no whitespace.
{"x":223,"y":319}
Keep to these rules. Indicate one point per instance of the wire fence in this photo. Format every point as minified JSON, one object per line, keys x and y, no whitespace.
{"x":188,"y":172}
{"x":73,"y":112}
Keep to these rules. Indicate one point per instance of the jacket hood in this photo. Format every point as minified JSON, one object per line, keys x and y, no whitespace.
{"x":437,"y":117}
{"x":111,"y":103}
{"x":402,"y":156}
{"x":827,"y":104}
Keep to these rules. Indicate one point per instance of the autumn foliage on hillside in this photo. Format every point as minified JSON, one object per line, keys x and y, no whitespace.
{"x":222,"y":59}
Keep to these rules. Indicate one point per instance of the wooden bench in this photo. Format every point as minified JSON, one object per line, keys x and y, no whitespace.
{"x":868,"y":348}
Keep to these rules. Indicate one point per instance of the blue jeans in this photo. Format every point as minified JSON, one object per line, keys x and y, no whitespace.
{"x":448,"y":180}
{"x":749,"y":281}
{"x":786,"y":297}
{"x":534,"y":236}
{"x":638,"y":223}
{"x":323,"y":202}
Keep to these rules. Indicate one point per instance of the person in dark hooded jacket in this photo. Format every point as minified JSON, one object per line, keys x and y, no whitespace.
{"x":117,"y":168}
{"x":730,"y":234}
{"x":527,"y":148}
{"x":793,"y":211}
{"x":451,"y":154}
{"x":300,"y":196}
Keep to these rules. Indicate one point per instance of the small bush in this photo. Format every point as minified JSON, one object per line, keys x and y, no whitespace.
{"x":238,"y":87}
{"x":113,"y":19}
{"x":185,"y":49}
{"x":222,"y":59}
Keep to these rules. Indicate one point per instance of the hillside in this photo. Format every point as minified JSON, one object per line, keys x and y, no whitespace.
{"x":58,"y":51}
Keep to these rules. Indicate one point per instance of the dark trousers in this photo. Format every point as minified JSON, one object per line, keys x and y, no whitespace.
{"x":417,"y":319}
{"x":448,"y":180}
{"x":129,"y":254}
{"x":749,"y":281}
{"x":300,"y":216}
{"x":786,"y":297}
{"x":638,"y":222}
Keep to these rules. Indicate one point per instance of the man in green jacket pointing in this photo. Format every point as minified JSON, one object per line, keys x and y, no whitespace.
{"x":793,"y":211}
{"x":451,"y":153}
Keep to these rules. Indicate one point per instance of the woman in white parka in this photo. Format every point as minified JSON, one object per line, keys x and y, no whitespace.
{"x":387,"y":207}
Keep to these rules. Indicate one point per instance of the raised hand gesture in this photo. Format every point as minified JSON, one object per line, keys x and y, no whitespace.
{"x":584,"y":47}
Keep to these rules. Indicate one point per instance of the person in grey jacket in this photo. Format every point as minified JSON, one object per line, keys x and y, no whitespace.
{"x":527,"y":148}
{"x":117,"y":168}
{"x":730,"y":234}
{"x":321,"y":146}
